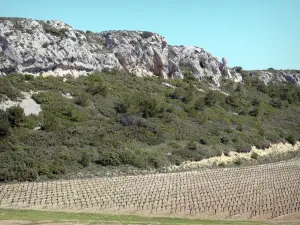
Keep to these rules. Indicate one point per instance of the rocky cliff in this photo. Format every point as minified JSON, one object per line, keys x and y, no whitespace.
{"x":55,"y":48}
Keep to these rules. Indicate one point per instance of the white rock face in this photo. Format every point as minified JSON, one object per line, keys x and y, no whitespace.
{"x":199,"y":61}
{"x":54,"y":48}
{"x":51,"y":46}
{"x":68,"y":95}
{"x":268,"y":76}
{"x":280,"y":76}
{"x":27,"y":103}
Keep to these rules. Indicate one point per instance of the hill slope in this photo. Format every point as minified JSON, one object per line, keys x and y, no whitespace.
{"x":120,"y":120}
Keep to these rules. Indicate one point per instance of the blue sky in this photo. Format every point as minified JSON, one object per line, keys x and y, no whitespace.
{"x":254,"y":34}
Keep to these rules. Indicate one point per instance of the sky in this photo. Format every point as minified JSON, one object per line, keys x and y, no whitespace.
{"x":254,"y":34}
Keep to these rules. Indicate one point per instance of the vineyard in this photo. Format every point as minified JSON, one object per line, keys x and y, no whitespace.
{"x":263,"y":192}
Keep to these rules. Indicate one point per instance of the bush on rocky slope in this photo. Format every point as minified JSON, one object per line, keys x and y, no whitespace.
{"x":116,"y":119}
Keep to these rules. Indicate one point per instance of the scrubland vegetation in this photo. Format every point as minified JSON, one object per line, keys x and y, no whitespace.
{"x":118,"y":119}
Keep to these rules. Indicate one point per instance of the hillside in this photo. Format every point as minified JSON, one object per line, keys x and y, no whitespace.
{"x":120,"y":120}
{"x":139,"y":105}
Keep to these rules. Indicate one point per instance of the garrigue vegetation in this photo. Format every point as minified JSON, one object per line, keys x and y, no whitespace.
{"x":118,"y":119}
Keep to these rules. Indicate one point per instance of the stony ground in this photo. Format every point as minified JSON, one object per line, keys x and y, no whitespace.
{"x":274,"y":151}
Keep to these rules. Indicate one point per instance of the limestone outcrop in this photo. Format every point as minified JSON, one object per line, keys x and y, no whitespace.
{"x":54,"y":48}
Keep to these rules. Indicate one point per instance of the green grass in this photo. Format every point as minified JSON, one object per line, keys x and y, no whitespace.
{"x":37,"y":217}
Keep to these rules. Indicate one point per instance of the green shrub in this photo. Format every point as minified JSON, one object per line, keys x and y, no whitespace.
{"x":255,"y":112}
{"x":175,"y":159}
{"x":210,"y":98}
{"x":221,"y":164}
{"x":262,"y":144}
{"x":261,"y":87}
{"x":98,"y":87}
{"x":29,"y":77}
{"x":46,"y":97}
{"x":174,"y":145}
{"x":45,"y":45}
{"x":4,"y":124}
{"x":128,"y":120}
{"x":16,"y":115}
{"x":237,"y":161}
{"x":148,"y":106}
{"x":256,"y":102}
{"x":244,"y":148}
{"x":228,"y":130}
{"x":238,"y":69}
{"x":199,"y":104}
{"x":192,"y":146}
{"x":54,"y":31}
{"x":271,"y":136}
{"x":189,"y":94}
{"x":291,"y":139}
{"x":239,"y":127}
{"x":50,"y":123}
{"x":227,"y":154}
{"x":209,"y":152}
{"x":8,"y":90}
{"x":254,"y":155}
{"x":128,"y":157}
{"x":188,"y":155}
{"x":239,"y":88}
{"x":276,"y":102}
{"x":155,"y":160}
{"x":147,"y":34}
{"x":179,"y":93}
{"x":188,"y":74}
{"x":203,"y":117}
{"x":202,"y":142}
{"x":145,"y":105}
{"x":78,"y":116}
{"x":121,"y":108}
{"x":224,"y":140}
{"x":232,"y":101}
{"x":56,"y":169}
{"x":108,"y":158}
{"x":85,"y":159}
{"x":82,"y":99}
{"x":26,"y":174}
